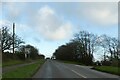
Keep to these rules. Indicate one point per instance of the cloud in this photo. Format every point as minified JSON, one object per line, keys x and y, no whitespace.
{"x":104,"y":16}
{"x":45,"y":21}
{"x":23,"y":31}
{"x":5,"y":23}
{"x":0,"y":8}
{"x":100,"y":13}
{"x":49,"y":23}
{"x":52,"y":26}
{"x":13,"y":10}
{"x":19,"y":28}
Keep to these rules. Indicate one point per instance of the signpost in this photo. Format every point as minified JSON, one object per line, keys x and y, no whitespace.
{"x":13,"y":36}
{"x":27,"y":52}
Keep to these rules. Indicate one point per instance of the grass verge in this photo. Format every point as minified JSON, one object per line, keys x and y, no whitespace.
{"x":108,"y":69}
{"x":72,"y":62}
{"x":12,"y":62}
{"x":15,"y":62}
{"x":24,"y":72}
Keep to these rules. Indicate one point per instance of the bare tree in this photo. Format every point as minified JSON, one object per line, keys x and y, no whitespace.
{"x":110,"y":45}
{"x":87,"y":43}
{"x":7,"y":40}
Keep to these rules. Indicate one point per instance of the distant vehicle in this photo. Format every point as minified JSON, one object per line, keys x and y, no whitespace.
{"x":47,"y":58}
{"x":53,"y":58}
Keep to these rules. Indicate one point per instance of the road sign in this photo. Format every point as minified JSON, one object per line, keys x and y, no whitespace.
{"x":27,"y":52}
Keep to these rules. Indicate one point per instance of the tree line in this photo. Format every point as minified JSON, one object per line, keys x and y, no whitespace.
{"x":19,"y":46}
{"x":83,"y":47}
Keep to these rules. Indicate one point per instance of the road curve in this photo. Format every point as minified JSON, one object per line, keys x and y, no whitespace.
{"x":55,"y":69}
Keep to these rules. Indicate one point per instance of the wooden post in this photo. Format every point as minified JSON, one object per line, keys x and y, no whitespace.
{"x":13,"y":37}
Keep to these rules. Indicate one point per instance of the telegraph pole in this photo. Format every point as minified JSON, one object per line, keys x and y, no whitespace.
{"x":13,"y":37}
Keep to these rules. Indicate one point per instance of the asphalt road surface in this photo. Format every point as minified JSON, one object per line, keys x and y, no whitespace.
{"x":55,"y":69}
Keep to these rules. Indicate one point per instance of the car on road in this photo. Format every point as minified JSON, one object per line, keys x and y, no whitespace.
{"x":47,"y":58}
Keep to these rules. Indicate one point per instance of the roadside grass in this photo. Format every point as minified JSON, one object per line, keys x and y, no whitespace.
{"x":108,"y":69}
{"x":24,"y":72}
{"x":14,"y":62}
{"x":0,"y":64}
{"x":0,"y":76}
{"x":0,"y":70}
{"x":71,"y":62}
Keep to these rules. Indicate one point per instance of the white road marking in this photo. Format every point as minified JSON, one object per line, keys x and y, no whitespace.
{"x":78,"y":74}
{"x":80,"y":66}
{"x":77,"y":65}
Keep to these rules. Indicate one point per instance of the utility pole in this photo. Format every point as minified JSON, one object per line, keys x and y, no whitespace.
{"x":13,"y":37}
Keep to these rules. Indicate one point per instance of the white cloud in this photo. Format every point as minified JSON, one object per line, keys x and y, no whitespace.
{"x":101,"y":13}
{"x":0,"y":8}
{"x":5,"y":23}
{"x":23,"y":31}
{"x":104,"y":16}
{"x":55,"y":27}
{"x":62,"y":32}
{"x":45,"y":20}
{"x":60,"y":0}
{"x":19,"y":28}
{"x":13,"y":10}
{"x":52,"y":26}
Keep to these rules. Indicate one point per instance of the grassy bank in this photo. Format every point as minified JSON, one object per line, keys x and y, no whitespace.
{"x":71,"y":62}
{"x":0,"y":64}
{"x":24,"y":72}
{"x":15,"y":62}
{"x":108,"y":69}
{"x":12,"y":62}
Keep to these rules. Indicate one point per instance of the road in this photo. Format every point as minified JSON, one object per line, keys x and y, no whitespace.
{"x":55,"y":69}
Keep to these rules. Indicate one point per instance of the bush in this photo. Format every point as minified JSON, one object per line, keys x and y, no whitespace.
{"x":106,"y":63}
{"x":21,"y":56}
{"x":8,"y":56}
{"x":115,"y":62}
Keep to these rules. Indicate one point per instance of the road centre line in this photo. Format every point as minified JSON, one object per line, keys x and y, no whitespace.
{"x":77,"y":65}
{"x":78,"y":74}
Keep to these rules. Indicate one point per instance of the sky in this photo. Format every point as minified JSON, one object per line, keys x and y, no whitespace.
{"x":48,"y":25}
